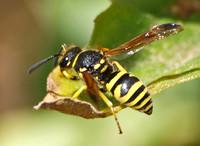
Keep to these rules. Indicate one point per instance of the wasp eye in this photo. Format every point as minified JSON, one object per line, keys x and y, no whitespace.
{"x":63,"y":62}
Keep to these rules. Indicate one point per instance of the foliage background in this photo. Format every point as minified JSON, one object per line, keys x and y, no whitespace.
{"x":33,"y":30}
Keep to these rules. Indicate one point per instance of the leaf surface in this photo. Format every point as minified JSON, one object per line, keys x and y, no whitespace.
{"x":159,"y":65}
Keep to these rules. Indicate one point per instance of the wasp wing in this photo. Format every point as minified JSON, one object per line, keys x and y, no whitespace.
{"x":92,"y":87}
{"x":137,"y":43}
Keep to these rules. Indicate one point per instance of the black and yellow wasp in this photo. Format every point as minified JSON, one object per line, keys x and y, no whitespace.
{"x":101,"y":76}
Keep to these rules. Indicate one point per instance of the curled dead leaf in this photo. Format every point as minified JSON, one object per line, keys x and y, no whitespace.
{"x":58,"y":98}
{"x":70,"y":106}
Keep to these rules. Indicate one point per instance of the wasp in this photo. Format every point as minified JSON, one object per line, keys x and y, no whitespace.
{"x":101,"y":75}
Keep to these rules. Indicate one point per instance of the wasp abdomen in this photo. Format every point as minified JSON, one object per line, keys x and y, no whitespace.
{"x":130,"y":91}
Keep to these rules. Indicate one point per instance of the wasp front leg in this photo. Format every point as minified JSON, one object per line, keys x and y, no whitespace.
{"x":76,"y":95}
{"x":68,"y":75}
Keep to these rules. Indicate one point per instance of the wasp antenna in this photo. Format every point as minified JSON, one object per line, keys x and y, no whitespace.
{"x":42,"y":62}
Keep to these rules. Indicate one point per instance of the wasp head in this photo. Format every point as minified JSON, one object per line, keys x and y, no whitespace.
{"x":69,"y":57}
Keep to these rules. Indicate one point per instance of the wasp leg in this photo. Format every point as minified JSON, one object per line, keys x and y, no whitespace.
{"x":110,"y":105}
{"x":76,"y":95}
{"x":118,"y":108}
{"x":119,"y":66}
{"x":66,"y":74}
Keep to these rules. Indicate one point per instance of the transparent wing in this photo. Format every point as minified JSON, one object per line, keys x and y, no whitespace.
{"x":137,"y":43}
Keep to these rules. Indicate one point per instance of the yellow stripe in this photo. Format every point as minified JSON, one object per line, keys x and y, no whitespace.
{"x":80,"y":75}
{"x":104,"y":69}
{"x":74,"y":62}
{"x":101,"y":52}
{"x":148,"y":107}
{"x":131,"y":75}
{"x":102,"y":61}
{"x":102,"y":82}
{"x":114,"y":80}
{"x":131,"y":91}
{"x":142,"y":104}
{"x":97,"y":66}
{"x":68,"y":63}
{"x":117,"y":91}
{"x":82,"y":69}
{"x":138,"y":98}
{"x":118,"y":66}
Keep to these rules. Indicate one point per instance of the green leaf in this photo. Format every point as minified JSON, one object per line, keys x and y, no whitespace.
{"x":159,"y":65}
{"x":59,"y":92}
{"x":187,"y":72}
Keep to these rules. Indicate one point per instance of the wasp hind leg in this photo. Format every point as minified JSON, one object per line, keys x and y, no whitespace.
{"x":110,"y":105}
{"x":105,"y":99}
{"x":94,"y":91}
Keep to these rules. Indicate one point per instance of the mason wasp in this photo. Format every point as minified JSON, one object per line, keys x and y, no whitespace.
{"x":101,"y":75}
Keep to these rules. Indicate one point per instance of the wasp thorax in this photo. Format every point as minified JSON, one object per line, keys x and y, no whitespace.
{"x":69,"y":56}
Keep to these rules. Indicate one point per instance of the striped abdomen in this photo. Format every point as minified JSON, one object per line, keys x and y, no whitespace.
{"x":130,"y":91}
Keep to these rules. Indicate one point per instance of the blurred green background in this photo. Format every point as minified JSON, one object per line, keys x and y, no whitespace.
{"x":33,"y":30}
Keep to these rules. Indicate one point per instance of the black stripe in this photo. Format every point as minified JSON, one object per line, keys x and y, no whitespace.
{"x":143,"y":98}
{"x":106,"y":74}
{"x":149,"y":102}
{"x":112,"y":76}
{"x":101,"y":66}
{"x":134,"y":79}
{"x":127,"y":82}
{"x":149,"y":112}
{"x":121,"y":80}
{"x":135,"y":95}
